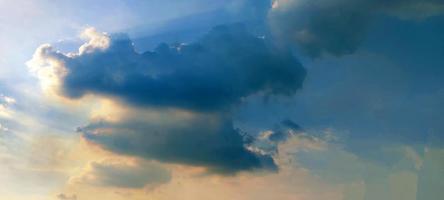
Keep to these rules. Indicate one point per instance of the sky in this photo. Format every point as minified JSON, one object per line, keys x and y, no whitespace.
{"x":234,"y":99}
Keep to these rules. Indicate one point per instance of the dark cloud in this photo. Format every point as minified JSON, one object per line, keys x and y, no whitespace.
{"x":124,"y":174}
{"x":214,"y":73}
{"x":204,"y":141}
{"x":338,"y":27}
{"x":211,"y":75}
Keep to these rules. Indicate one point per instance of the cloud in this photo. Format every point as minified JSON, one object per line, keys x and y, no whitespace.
{"x":199,"y":140}
{"x":214,"y":73}
{"x":337,"y":27}
{"x":5,"y":100}
{"x":5,"y":103}
{"x":287,"y":129}
{"x":325,"y":157}
{"x":268,"y":141}
{"x":121,"y":173}
{"x":290,"y":182}
{"x":206,"y":79}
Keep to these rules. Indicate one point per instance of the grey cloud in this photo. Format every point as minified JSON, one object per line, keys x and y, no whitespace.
{"x":338,"y":27}
{"x":205,"y":141}
{"x":214,"y":73}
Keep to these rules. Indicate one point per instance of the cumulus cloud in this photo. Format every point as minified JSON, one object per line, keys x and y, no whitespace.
{"x":214,"y":73}
{"x":206,"y":78}
{"x":337,"y":27}
{"x":123,"y":173}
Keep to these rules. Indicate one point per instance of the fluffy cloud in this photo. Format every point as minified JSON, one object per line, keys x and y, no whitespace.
{"x":121,"y":173}
{"x":337,"y":27}
{"x":205,"y":79}
{"x":213,"y":73}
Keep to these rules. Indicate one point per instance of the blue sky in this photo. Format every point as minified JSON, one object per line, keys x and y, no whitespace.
{"x":238,"y":99}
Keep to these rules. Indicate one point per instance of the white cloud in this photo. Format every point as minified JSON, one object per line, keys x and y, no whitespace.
{"x":95,"y":40}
